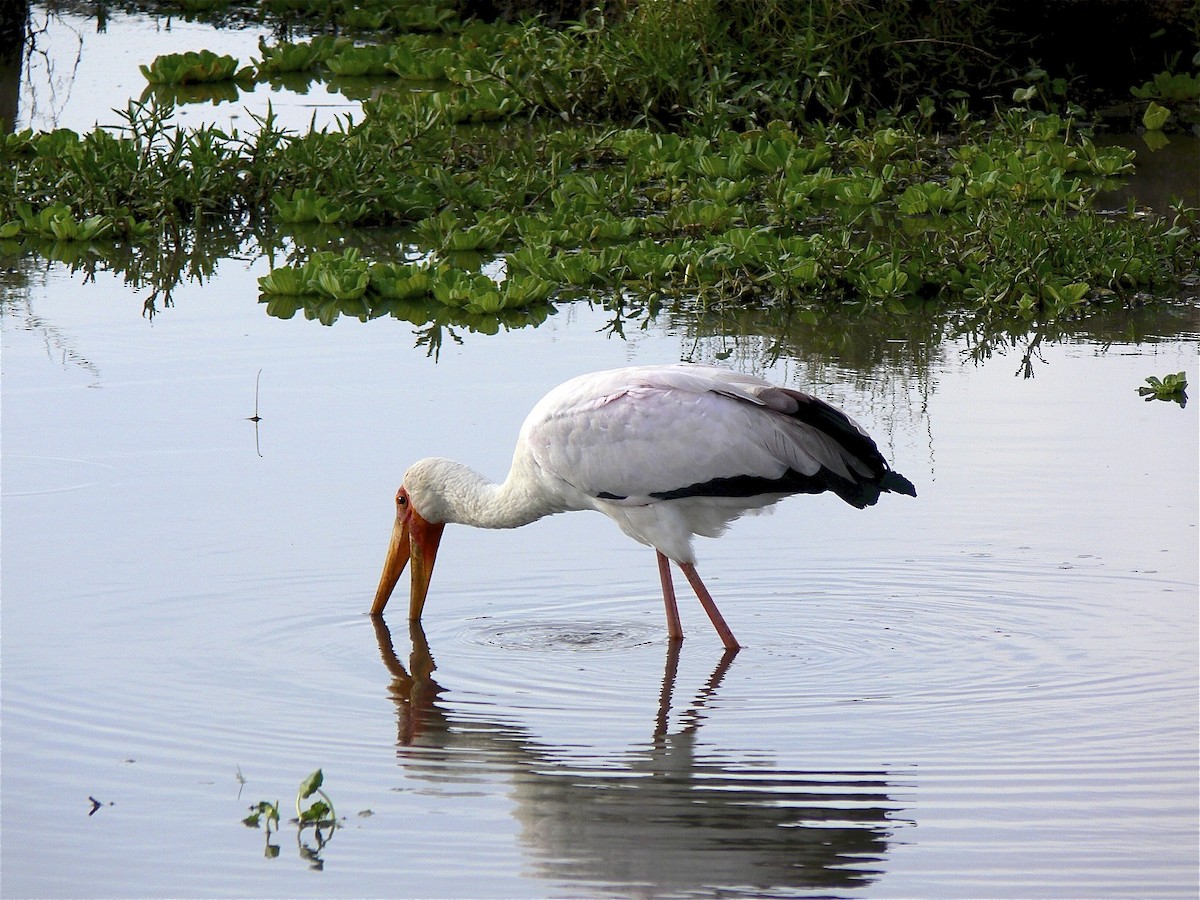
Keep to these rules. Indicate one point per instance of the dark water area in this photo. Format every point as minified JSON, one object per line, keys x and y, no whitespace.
{"x":1168,"y":172}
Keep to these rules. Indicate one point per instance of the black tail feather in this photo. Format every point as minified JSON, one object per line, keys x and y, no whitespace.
{"x":897,"y":484}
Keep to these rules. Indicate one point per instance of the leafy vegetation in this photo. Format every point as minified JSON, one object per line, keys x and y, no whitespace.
{"x":263,"y":813}
{"x":1169,"y":387}
{"x":314,"y":810}
{"x":317,"y":813}
{"x":191,"y":68}
{"x":669,"y":155}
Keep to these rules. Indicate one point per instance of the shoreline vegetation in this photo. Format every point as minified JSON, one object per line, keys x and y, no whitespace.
{"x":680,"y":153}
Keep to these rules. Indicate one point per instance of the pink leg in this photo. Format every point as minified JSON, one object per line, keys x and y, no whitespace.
{"x":674,"y":629}
{"x":710,"y":607}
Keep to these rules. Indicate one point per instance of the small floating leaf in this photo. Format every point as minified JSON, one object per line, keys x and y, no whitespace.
{"x":311,"y":784}
{"x":1155,"y":117}
{"x":318,"y":812}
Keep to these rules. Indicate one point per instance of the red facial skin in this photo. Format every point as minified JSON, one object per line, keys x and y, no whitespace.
{"x":413,"y":540}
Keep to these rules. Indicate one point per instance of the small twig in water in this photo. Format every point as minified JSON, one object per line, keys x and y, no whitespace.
{"x":256,"y":417}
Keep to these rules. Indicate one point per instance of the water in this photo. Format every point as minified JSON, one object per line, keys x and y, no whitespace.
{"x":86,"y":68}
{"x":990,"y":690}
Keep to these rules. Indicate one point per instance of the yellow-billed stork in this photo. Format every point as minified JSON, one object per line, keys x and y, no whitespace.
{"x":666,"y":452}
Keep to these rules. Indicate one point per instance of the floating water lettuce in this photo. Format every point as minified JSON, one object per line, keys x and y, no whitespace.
{"x":333,"y":276}
{"x":1173,"y":86}
{"x":931,"y":197}
{"x":1169,"y":387}
{"x":882,"y":280}
{"x":192,"y":67}
{"x":58,"y":222}
{"x":285,"y":57}
{"x":483,"y":102}
{"x":427,"y":16}
{"x":372,"y":60}
{"x":1155,"y":117}
{"x":454,"y":287}
{"x":286,"y":281}
{"x":451,"y":233}
{"x":521,"y":292}
{"x":339,"y":277}
{"x":422,"y":64}
{"x":392,"y":281}
{"x":306,"y":205}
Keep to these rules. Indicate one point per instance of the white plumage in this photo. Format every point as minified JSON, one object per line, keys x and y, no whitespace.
{"x":667,"y":452}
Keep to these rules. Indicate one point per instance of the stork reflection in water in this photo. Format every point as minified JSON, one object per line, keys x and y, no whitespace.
{"x":674,"y":813}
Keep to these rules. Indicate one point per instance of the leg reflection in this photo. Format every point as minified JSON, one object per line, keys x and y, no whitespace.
{"x":693,"y":716}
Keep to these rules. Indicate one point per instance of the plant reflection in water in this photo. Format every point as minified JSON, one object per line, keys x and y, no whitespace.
{"x":674,"y":815}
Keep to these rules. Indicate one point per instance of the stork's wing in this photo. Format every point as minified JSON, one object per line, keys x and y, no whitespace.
{"x":652,"y":433}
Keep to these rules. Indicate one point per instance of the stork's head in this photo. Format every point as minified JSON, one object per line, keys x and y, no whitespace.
{"x":414,"y":539}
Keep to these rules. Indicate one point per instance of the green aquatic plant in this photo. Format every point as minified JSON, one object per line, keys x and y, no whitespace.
{"x":372,"y":60}
{"x":433,"y":16}
{"x":1169,"y":387}
{"x":422,"y":63}
{"x":1155,"y":117}
{"x":931,"y":197}
{"x":286,"y":281}
{"x":263,"y":812}
{"x":392,"y":281}
{"x":448,"y":232}
{"x":592,"y":193}
{"x":860,"y":190}
{"x":286,"y":57}
{"x":305,"y":205}
{"x":1175,"y":87}
{"x":457,"y":288}
{"x":484,"y":102}
{"x":58,"y":222}
{"x":338,"y":276}
{"x":192,"y":67}
{"x":326,"y":275}
{"x":317,"y":814}
{"x":521,"y":292}
{"x":320,"y":811}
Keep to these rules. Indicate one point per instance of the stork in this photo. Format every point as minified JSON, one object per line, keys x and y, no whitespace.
{"x":667,"y":452}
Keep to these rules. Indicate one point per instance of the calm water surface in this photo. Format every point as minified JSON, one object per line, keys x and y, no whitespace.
{"x":990,"y":690}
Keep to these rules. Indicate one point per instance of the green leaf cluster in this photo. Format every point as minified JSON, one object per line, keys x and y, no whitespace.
{"x":517,"y":154}
{"x":1175,"y":87}
{"x":305,"y":205}
{"x":319,"y":811}
{"x":328,"y":285}
{"x":1169,"y":387}
{"x":263,"y":811}
{"x":192,"y":67}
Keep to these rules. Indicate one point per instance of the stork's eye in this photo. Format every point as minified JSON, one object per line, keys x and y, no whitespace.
{"x":402,"y":500}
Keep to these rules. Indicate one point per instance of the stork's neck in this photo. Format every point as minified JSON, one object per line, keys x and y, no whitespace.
{"x":447,"y":491}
